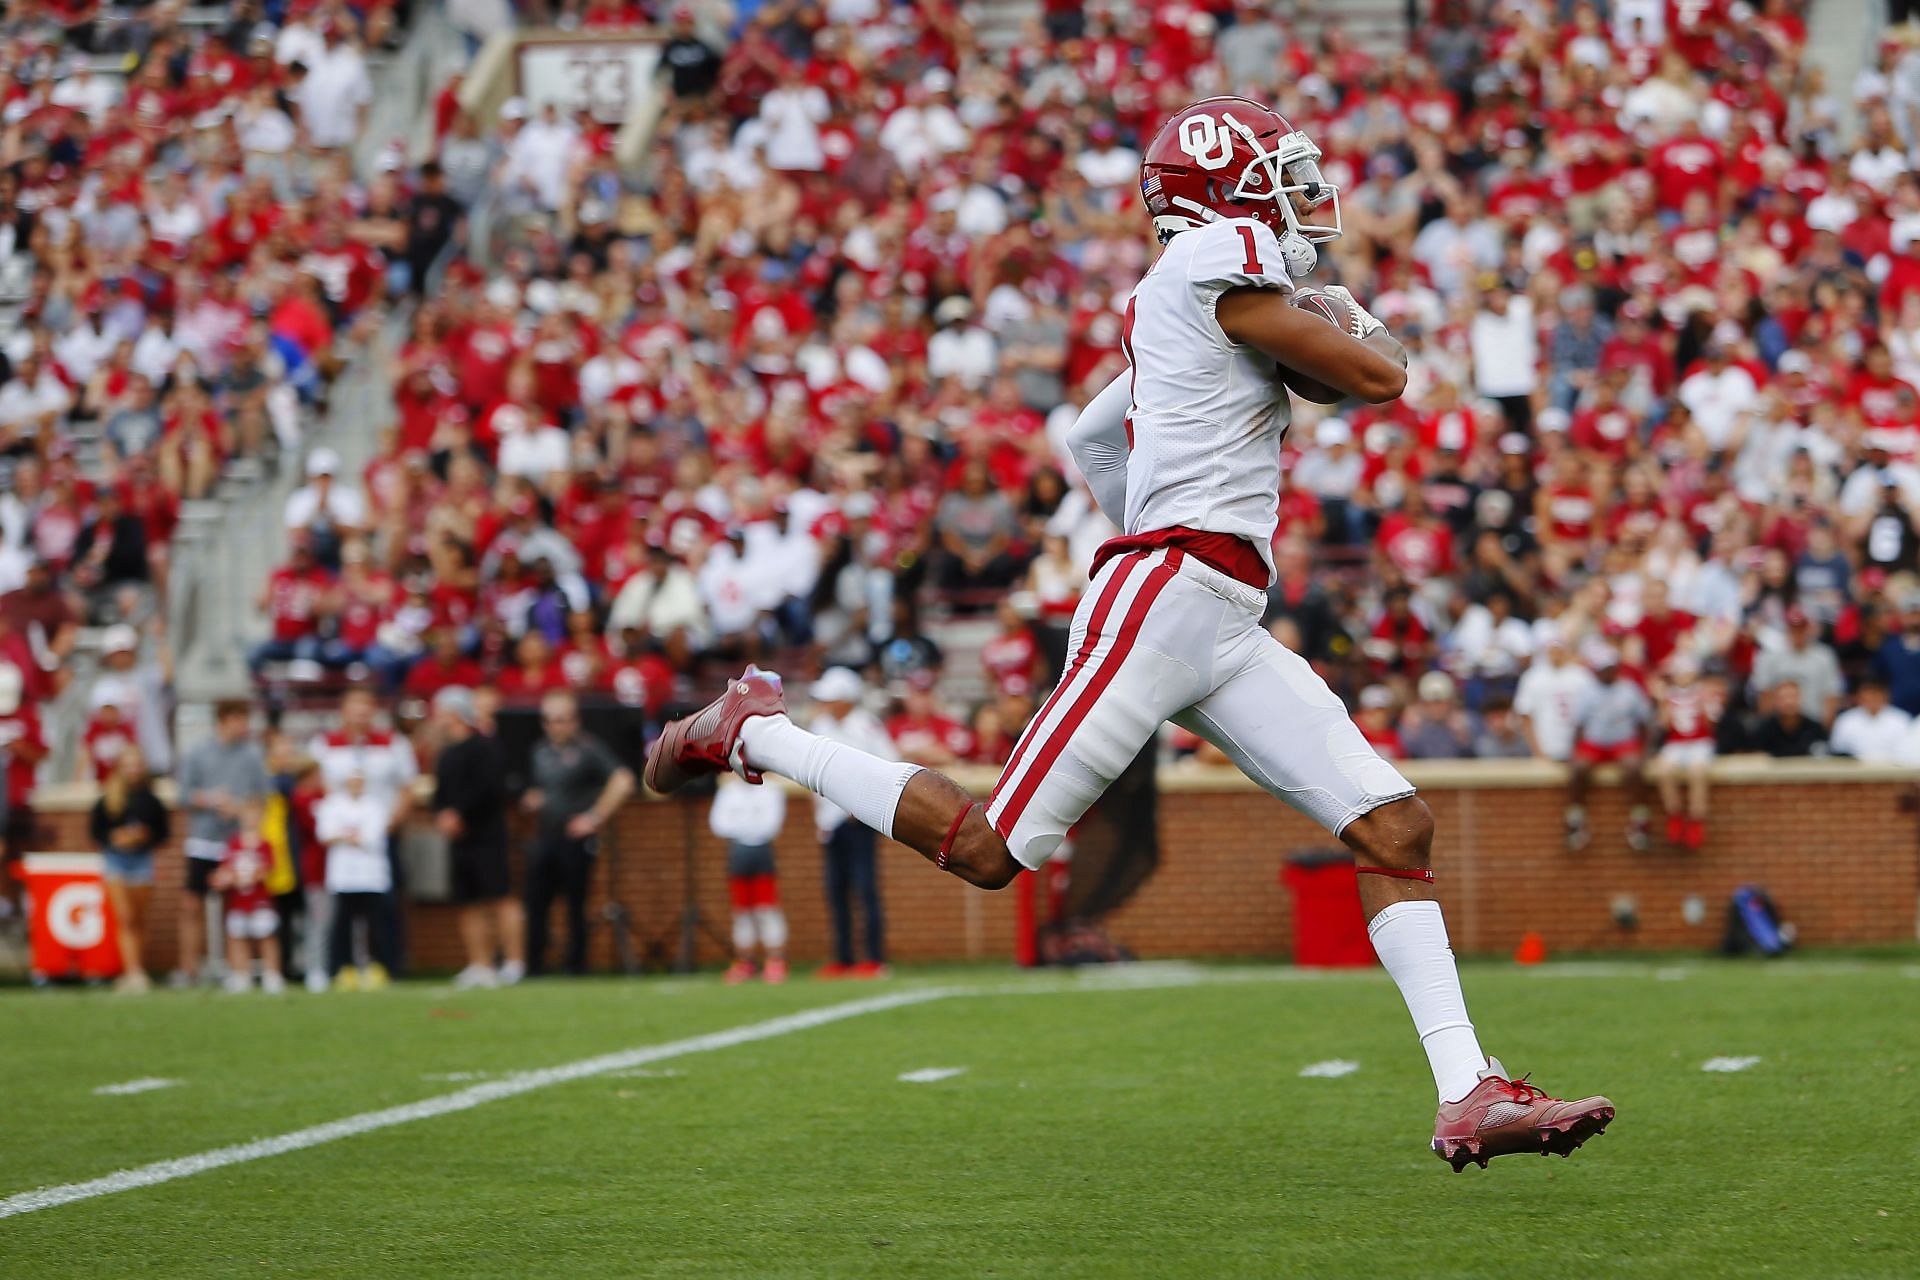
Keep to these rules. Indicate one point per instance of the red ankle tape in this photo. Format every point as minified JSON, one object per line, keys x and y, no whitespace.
{"x":946,"y":846}
{"x":1398,"y":873}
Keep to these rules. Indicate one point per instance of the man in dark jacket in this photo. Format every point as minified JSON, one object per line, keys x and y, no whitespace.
{"x":1787,"y":730}
{"x":470,"y":810}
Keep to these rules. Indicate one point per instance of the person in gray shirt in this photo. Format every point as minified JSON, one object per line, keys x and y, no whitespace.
{"x":577,"y":786}
{"x":1610,"y":726}
{"x":1806,"y":661}
{"x":218,"y":778}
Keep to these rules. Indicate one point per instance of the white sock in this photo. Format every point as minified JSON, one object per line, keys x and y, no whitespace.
{"x":1411,"y":940}
{"x":864,"y":785}
{"x":742,"y":933}
{"x":772,"y":922}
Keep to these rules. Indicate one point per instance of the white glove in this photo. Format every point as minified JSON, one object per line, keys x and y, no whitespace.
{"x":1363,"y":318}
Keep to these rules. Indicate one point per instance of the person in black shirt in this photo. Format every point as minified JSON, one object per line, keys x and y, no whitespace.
{"x":128,"y":823}
{"x":1786,"y":731}
{"x":470,"y":810}
{"x":111,"y":550}
{"x":433,"y":218}
{"x":577,"y":786}
{"x":691,"y":62}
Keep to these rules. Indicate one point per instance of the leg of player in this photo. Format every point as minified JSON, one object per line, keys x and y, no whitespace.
{"x":1393,"y":848}
{"x":1482,"y":1113}
{"x":925,"y":811}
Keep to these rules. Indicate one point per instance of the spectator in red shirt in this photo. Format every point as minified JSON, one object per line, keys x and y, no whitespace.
{"x":1012,"y":658}
{"x":445,"y":665}
{"x":295,"y":599}
{"x":923,"y":733}
{"x":252,"y":924}
{"x":1375,"y":721}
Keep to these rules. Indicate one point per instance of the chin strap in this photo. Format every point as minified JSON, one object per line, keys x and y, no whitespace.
{"x":1398,"y":873}
{"x":946,"y":846}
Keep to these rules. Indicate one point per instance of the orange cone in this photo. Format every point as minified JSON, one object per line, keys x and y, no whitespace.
{"x":1532,"y":949}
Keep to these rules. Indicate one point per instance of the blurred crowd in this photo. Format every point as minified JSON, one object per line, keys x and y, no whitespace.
{"x":797,"y":388}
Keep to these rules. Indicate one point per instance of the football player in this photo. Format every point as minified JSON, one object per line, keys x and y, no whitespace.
{"x":1183,"y":453}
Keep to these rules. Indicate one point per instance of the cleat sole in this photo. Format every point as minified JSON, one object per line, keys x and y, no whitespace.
{"x":1560,"y":1139}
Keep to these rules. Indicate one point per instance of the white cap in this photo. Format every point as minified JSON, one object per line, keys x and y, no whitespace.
{"x":1436,"y":686}
{"x":514,"y":109}
{"x":457,"y":701}
{"x":1555,"y":419}
{"x":1376,"y":697}
{"x":323,"y":462}
{"x":503,"y":292}
{"x":1331,"y":432}
{"x":838,"y":684}
{"x":119,"y":638}
{"x":1795,"y":362}
{"x":858,"y":506}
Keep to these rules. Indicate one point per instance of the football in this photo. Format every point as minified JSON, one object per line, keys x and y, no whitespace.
{"x":1336,"y":311}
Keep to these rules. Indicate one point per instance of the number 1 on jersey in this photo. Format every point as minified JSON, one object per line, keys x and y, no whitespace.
{"x":1252,"y":265}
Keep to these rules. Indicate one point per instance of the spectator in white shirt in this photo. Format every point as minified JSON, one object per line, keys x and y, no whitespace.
{"x":662,"y":602}
{"x":1717,"y":394}
{"x":1874,"y":730}
{"x":959,"y":349}
{"x":791,"y":115}
{"x":34,"y":397}
{"x":330,"y":512}
{"x":334,"y":95}
{"x":1549,"y":698}
{"x":352,"y":823}
{"x":1506,"y":354}
{"x":926,"y":128}
{"x":541,"y":156}
{"x":734,"y":593}
{"x":537,"y":450}
{"x":749,"y":819}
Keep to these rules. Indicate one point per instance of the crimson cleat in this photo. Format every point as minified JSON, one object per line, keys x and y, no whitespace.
{"x":708,"y":741}
{"x":1503,"y":1117}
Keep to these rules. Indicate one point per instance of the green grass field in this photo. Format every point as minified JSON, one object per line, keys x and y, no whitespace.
{"x":1145,"y":1122}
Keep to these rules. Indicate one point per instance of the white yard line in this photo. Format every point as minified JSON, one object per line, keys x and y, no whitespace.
{"x":146,"y":1084}
{"x":930,"y":1075}
{"x":463,"y":1100}
{"x":1331,"y":1069}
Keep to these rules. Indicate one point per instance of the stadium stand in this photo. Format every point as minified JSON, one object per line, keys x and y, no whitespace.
{"x":793,"y":384}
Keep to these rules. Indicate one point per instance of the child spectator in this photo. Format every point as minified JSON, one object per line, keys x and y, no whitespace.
{"x":253,"y":926}
{"x":1690,"y":719}
{"x":749,"y":818}
{"x":352,"y":823}
{"x":106,"y":738}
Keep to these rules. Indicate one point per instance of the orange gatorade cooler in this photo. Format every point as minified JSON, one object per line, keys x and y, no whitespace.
{"x":69,"y":921}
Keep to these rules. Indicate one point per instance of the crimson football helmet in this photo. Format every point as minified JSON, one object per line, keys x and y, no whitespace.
{"x":1233,"y":158}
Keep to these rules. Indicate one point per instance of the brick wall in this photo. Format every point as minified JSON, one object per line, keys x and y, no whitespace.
{"x":1829,"y":840}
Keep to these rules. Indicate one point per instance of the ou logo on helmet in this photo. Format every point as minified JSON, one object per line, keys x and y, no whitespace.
{"x":76,"y":915}
{"x":1210,"y":145}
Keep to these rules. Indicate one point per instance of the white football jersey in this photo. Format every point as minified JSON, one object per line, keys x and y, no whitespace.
{"x":1208,"y":413}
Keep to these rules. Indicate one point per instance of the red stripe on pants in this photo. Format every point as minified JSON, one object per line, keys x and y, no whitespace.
{"x":1083,"y":705}
{"x":1109,"y":595}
